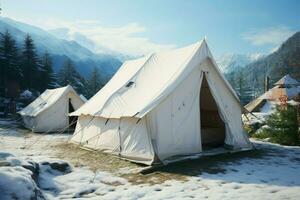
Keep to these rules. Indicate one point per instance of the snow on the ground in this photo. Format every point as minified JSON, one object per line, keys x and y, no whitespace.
{"x":270,"y":172}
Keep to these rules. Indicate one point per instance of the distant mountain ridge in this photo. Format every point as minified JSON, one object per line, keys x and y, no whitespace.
{"x":250,"y":78}
{"x":67,"y":34}
{"x":60,"y":49}
{"x":285,"y":60}
{"x":232,"y":62}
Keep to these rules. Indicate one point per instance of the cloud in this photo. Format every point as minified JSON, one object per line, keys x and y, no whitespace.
{"x":271,"y":36}
{"x":123,"y":39}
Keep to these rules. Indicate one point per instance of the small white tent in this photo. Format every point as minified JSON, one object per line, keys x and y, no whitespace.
{"x":49,"y":112}
{"x":163,"y":105}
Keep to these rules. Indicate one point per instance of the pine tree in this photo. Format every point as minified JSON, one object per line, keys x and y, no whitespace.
{"x":93,"y":83}
{"x":9,"y":61}
{"x":69,"y":76}
{"x":47,"y":77}
{"x":283,"y":126}
{"x":30,"y":65}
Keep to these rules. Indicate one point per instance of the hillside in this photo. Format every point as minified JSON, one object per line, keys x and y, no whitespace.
{"x":286,"y":60}
{"x":60,"y":49}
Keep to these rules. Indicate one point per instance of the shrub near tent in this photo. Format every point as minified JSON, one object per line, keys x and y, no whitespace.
{"x":281,"y":126}
{"x":148,"y":121}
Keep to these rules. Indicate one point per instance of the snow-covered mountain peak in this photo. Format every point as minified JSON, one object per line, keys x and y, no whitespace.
{"x":230,"y":62}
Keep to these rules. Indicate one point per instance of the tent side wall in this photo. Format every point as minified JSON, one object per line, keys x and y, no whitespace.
{"x":53,"y":118}
{"x":174,"y":123}
{"x":127,"y":137}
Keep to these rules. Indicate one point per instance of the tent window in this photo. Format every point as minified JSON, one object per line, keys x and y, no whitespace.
{"x":130,"y":83}
{"x":212,"y":126}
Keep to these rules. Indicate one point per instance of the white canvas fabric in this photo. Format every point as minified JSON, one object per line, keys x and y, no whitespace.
{"x":49,"y":112}
{"x":158,"y":98}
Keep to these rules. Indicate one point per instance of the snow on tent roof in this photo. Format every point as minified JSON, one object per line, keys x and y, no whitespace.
{"x":44,"y":101}
{"x":287,"y":80}
{"x":276,"y":92}
{"x":152,"y":78}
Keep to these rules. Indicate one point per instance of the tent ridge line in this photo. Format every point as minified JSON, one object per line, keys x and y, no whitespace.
{"x":185,"y":63}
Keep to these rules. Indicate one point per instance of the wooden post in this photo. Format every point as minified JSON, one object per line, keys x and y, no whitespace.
{"x":267,"y":80}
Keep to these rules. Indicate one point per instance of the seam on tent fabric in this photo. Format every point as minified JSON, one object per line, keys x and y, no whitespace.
{"x":158,"y":98}
{"x":139,"y":119}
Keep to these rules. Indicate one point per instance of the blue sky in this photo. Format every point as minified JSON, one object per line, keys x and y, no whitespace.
{"x":139,"y":27}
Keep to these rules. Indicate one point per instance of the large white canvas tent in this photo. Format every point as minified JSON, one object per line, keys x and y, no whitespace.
{"x":163,"y":105}
{"x":49,"y":112}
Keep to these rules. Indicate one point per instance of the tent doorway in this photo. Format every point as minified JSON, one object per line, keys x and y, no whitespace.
{"x":212,"y":126}
{"x":72,"y":119}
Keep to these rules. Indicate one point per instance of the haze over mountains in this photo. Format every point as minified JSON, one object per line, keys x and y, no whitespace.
{"x":62,"y":43}
{"x":84,"y":59}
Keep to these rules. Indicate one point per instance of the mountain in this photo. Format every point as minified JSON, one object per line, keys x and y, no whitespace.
{"x":67,"y":34}
{"x":233,"y":62}
{"x":84,"y":59}
{"x":285,"y":60}
{"x":249,"y":79}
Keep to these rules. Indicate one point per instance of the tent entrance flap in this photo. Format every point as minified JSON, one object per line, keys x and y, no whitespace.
{"x":72,"y":119}
{"x":212,"y":126}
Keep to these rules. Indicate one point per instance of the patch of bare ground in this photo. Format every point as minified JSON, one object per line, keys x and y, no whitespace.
{"x":141,"y":174}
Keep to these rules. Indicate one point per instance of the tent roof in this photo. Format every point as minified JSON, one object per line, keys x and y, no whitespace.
{"x":45,"y":100}
{"x":287,"y":80}
{"x":276,"y":92}
{"x":141,"y":84}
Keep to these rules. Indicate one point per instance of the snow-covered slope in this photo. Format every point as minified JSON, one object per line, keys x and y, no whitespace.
{"x":84,"y":58}
{"x":231,"y":62}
